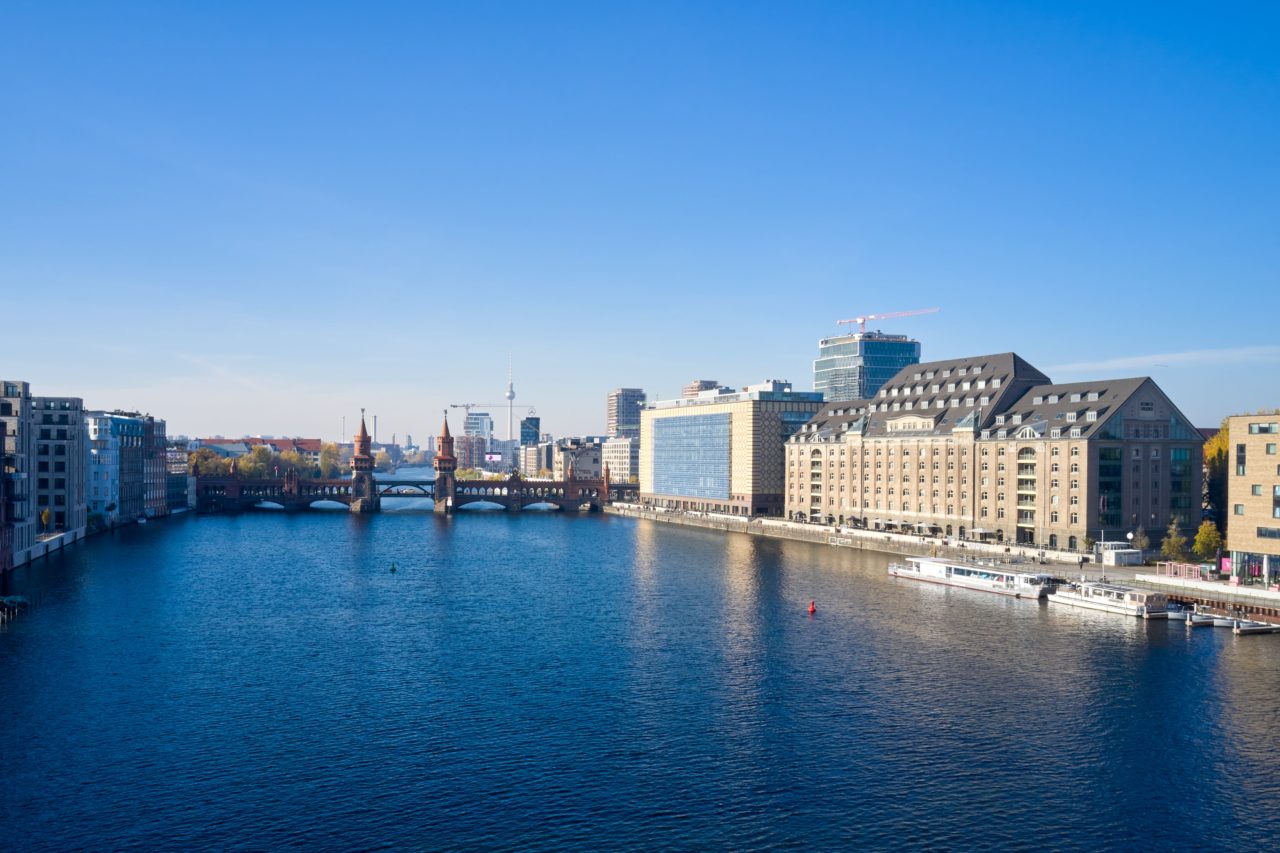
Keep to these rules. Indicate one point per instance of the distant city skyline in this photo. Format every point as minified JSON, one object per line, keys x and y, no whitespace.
{"x":245,"y":221}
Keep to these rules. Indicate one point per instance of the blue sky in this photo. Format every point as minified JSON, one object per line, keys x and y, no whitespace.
{"x":256,"y":218}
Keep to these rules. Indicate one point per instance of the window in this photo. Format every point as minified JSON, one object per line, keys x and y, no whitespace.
{"x":1271,"y":450}
{"x":1238,"y":509}
{"x":1257,"y":490}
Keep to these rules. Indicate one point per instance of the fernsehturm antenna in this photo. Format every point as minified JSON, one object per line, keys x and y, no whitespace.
{"x":511,"y":398}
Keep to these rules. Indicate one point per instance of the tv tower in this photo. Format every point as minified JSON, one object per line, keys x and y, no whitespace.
{"x":511,"y":398}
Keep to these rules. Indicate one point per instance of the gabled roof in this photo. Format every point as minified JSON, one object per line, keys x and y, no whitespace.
{"x":952,"y":391}
{"x":832,"y":421}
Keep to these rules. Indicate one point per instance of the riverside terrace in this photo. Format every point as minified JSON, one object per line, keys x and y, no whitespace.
{"x":236,"y":494}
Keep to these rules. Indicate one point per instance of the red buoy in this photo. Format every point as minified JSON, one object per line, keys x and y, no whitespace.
{"x":812,"y":608}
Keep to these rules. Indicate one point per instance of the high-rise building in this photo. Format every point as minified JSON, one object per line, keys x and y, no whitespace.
{"x":697,"y":386}
{"x":478,"y":425}
{"x":6,"y":501}
{"x":853,"y":367}
{"x":722,"y":450}
{"x":1253,"y":494}
{"x":60,"y":464}
{"x":623,"y":412}
{"x":987,"y":447}
{"x":529,"y":430}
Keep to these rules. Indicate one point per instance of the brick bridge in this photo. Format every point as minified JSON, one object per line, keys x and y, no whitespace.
{"x":363,"y":492}
{"x":236,"y":494}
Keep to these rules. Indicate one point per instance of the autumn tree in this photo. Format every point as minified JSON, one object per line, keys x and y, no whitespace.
{"x":1208,"y":541}
{"x":1140,"y":539}
{"x":1216,"y":457}
{"x":330,"y":461}
{"x":1174,"y":546}
{"x":256,"y":464}
{"x":206,"y":463}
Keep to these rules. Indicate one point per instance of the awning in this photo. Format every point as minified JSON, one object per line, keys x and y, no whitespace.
{"x":979,"y":530}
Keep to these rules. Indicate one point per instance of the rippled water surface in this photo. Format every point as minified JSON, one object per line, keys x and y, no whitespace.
{"x":552,"y":682}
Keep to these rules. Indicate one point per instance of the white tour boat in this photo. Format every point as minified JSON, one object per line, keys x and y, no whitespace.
{"x":988,"y":578}
{"x":1114,"y":598}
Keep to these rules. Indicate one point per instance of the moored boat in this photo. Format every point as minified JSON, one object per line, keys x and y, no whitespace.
{"x":986,"y":577}
{"x":1245,"y":626}
{"x":1114,"y":598}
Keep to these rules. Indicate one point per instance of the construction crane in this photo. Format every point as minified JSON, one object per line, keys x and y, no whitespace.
{"x":467,"y":407}
{"x":862,"y":321}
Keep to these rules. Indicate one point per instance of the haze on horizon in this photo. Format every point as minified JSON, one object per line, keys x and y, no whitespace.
{"x":255,"y":219}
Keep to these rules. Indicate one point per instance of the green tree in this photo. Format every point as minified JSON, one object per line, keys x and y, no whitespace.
{"x":44,"y":519}
{"x":1208,"y":541}
{"x":1174,"y":546}
{"x":1140,"y":539}
{"x":292,"y":460}
{"x":1088,"y":543}
{"x":1216,"y":456}
{"x":469,"y":474}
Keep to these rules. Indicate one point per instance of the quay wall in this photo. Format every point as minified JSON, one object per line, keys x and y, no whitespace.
{"x":858,"y":540}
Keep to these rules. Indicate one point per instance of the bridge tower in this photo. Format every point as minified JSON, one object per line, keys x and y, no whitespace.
{"x":364,"y":489}
{"x":445,"y":464}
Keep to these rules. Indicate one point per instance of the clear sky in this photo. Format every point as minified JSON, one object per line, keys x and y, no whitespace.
{"x":259,"y":217}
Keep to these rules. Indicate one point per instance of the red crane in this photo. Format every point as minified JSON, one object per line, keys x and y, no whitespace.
{"x":862,"y":321}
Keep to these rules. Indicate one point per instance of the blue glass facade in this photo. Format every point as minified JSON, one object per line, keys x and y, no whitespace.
{"x":854,"y":367}
{"x":691,"y":456}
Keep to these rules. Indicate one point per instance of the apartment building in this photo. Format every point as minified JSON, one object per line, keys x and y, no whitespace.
{"x":19,"y":468}
{"x":622,"y":412}
{"x":622,"y":457}
{"x":1253,"y":495}
{"x":58,"y":424}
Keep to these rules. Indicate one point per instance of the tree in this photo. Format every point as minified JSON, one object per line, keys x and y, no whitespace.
{"x":1140,"y":539}
{"x":1174,"y":547}
{"x":44,"y":519}
{"x":1088,"y":543}
{"x":382,"y":460}
{"x":1208,"y":541}
{"x":1216,"y":457}
{"x":330,"y":461}
{"x":469,"y":474}
{"x":256,"y":464}
{"x":206,"y":463}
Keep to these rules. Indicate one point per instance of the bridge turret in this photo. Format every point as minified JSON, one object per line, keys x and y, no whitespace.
{"x":364,"y":489}
{"x":445,"y":464}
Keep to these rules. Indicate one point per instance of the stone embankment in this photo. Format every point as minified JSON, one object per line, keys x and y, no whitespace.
{"x":861,"y":540}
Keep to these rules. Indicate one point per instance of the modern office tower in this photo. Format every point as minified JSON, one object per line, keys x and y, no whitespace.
{"x":623,"y":412}
{"x":1253,"y":495}
{"x":529,"y":430}
{"x":478,"y":425}
{"x":854,"y":367}
{"x":60,"y":464}
{"x":19,"y":469}
{"x":536,"y":458}
{"x":176,"y":493}
{"x":697,"y":386}
{"x":622,"y":456}
{"x":987,"y":447}
{"x":722,"y":450}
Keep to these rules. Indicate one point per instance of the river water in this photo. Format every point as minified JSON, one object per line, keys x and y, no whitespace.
{"x":542,"y":681}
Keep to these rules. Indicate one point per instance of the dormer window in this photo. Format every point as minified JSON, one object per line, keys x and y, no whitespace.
{"x":999,"y":419}
{"x":1053,"y":398}
{"x":986,"y":433}
{"x":1055,"y":433}
{"x":946,"y":373}
{"x":1093,"y":396}
{"x":961,"y":371}
{"x":1091,"y":415}
{"x":951,"y":386}
{"x":1016,"y":419}
{"x":1071,"y":417}
{"x":1075,"y":432}
{"x":935,"y":388}
{"x":1037,"y":400}
{"x":917,"y":376}
{"x":995,"y":383}
{"x":1075,"y":398}
{"x":1002,"y":433}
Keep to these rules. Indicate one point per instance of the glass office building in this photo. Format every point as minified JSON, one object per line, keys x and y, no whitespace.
{"x":691,"y":456}
{"x":853,"y":367}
